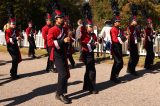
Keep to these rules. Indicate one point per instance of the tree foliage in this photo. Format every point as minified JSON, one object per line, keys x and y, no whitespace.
{"x":36,"y":10}
{"x":101,"y":9}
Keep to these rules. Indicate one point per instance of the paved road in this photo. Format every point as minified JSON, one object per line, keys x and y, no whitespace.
{"x":37,"y":88}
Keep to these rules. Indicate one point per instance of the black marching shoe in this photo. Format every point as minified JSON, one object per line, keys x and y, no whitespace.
{"x":148,"y":67}
{"x":47,"y":70}
{"x":94,"y":92}
{"x":115,"y":80}
{"x":34,"y":56}
{"x":134,"y":73}
{"x":15,"y":77}
{"x":53,"y":70}
{"x":63,"y":99}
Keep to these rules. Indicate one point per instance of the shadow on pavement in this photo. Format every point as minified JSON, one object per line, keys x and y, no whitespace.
{"x":76,"y":95}
{"x":48,"y":89}
{"x":3,"y":62}
{"x":35,"y":93}
{"x":78,"y":65}
{"x":23,"y":76}
{"x":107,"y":84}
{"x":126,"y":78}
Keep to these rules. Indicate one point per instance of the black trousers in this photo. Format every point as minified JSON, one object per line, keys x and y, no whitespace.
{"x":90,"y":74}
{"x":70,"y":57}
{"x":134,"y":58}
{"x":80,"y":51}
{"x":150,"y":54}
{"x":32,"y":46}
{"x":50,"y":64}
{"x":14,"y":52}
{"x":118,"y":60}
{"x":63,"y":72}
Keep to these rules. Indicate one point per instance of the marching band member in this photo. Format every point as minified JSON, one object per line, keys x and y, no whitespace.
{"x":89,"y":42}
{"x":149,"y":44}
{"x":133,"y":46}
{"x":58,"y":39}
{"x":118,"y":39}
{"x":12,"y":35}
{"x":45,"y":29}
{"x":30,"y":36}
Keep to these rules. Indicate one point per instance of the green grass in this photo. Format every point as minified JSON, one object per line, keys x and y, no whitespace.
{"x":24,"y":51}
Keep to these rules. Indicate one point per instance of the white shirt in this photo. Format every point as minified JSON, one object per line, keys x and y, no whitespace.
{"x":105,"y":33}
{"x":78,"y":31}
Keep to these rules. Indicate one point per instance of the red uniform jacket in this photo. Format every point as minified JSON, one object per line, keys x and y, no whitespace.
{"x":117,"y":37}
{"x":54,"y":34}
{"x":114,"y":34}
{"x":29,"y":31}
{"x":88,"y":41}
{"x":133,"y":39}
{"x":149,"y":36}
{"x":9,"y":39}
{"x":55,"y":38}
{"x":45,"y":30}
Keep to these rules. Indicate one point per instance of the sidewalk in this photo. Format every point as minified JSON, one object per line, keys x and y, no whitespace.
{"x":37,"y":88}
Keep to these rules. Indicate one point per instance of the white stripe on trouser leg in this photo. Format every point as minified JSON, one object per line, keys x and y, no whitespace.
{"x":89,"y":47}
{"x":56,"y":44}
{"x":120,"y":41}
{"x":10,"y":39}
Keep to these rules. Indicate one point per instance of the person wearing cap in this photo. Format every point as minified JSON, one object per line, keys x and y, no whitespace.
{"x":30,"y":35}
{"x":118,"y":39}
{"x":45,"y":29}
{"x":133,"y":40}
{"x":106,"y":37}
{"x":149,"y":36}
{"x":57,"y":39}
{"x":12,"y":35}
{"x":89,"y":42}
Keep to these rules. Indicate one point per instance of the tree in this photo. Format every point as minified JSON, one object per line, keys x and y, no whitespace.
{"x":36,"y":10}
{"x":101,"y":9}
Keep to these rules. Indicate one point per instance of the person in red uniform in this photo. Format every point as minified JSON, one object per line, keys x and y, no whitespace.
{"x":117,"y":38}
{"x":149,"y":44}
{"x":88,"y":43}
{"x":30,"y":35}
{"x":45,"y":29}
{"x":133,"y":46}
{"x":58,"y":39}
{"x":12,"y":35}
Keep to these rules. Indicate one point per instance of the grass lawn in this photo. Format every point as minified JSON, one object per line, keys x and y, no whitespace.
{"x":24,"y":51}
{"x":41,"y":52}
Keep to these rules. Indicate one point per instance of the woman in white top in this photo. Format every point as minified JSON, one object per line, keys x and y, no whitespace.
{"x":105,"y":35}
